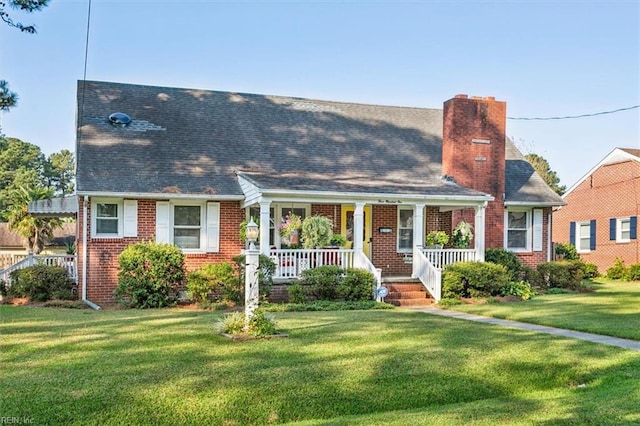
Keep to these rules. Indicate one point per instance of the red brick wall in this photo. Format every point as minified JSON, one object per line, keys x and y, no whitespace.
{"x":477,"y":165}
{"x":102,"y":254}
{"x":611,"y":191}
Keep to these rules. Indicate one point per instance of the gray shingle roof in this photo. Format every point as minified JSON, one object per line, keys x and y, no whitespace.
{"x":523,"y":184}
{"x":194,"y":141}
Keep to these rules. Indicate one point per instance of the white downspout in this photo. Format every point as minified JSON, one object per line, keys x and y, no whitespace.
{"x":84,"y":256}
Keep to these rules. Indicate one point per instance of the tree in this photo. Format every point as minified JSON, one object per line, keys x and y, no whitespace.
{"x":23,"y":165}
{"x":8,"y":98}
{"x":541,"y":165}
{"x":35,"y":231}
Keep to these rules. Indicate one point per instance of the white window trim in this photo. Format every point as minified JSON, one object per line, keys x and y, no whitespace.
{"x":203,"y":219}
{"x":579,"y":239}
{"x":529,"y":227}
{"x":398,"y":249}
{"x":619,"y":222}
{"x":94,"y":209}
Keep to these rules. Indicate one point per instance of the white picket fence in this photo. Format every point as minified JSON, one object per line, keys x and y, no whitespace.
{"x":66,"y":261}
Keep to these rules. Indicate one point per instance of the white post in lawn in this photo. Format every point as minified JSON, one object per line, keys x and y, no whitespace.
{"x":251,"y":290}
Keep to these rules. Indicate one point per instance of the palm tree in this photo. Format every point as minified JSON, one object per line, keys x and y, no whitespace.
{"x":36,"y":231}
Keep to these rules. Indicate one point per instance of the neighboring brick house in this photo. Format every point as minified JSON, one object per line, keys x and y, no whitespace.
{"x":187,"y":166}
{"x":601,"y":215}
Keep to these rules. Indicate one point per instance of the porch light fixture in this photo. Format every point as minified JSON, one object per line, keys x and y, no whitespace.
{"x":252,"y":232}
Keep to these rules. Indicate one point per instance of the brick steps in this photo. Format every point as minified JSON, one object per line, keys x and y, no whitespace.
{"x":407,"y":294}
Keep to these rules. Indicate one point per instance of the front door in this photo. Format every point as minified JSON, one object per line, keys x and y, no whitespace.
{"x":347,"y":227}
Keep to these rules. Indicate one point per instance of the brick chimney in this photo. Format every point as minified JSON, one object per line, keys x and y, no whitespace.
{"x":473,"y":153}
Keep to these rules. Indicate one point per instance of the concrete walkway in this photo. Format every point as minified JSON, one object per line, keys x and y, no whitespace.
{"x":596,"y":338}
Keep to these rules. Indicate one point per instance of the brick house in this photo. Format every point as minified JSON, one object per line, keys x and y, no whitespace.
{"x":187,"y":166}
{"x":601,"y":215}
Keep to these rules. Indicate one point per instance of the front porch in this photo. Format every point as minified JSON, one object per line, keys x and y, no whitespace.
{"x":427,"y":263}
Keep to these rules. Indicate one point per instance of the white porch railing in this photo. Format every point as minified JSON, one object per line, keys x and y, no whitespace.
{"x":290,"y":263}
{"x":363,"y":262}
{"x":439,"y":258}
{"x":69,"y":262}
{"x":429,"y":275}
{"x":7,"y":260}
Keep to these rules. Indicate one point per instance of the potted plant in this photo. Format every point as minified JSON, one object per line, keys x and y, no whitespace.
{"x":437,"y":239}
{"x":317,"y":231}
{"x":338,"y":240}
{"x":462,"y":235}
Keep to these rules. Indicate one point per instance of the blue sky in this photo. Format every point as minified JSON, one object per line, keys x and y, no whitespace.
{"x":544,"y":58}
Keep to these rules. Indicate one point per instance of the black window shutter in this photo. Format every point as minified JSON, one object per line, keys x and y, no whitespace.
{"x":592,"y":235}
{"x":633,"y":225}
{"x":612,"y":229}
{"x":572,"y":233}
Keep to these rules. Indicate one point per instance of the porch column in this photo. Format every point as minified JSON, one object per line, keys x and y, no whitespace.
{"x":418,"y":225}
{"x":479,"y":229}
{"x":265,"y":222}
{"x":418,"y":234}
{"x":358,"y":227}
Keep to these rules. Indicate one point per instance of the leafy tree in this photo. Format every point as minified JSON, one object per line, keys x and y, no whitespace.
{"x":35,"y":231}
{"x":541,"y":165}
{"x":59,"y":172}
{"x":8,"y":98}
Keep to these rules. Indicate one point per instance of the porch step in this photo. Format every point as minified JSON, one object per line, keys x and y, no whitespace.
{"x":407,"y":293}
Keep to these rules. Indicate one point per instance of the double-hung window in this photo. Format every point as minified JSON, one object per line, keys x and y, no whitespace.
{"x":518,"y":226}
{"x":114,"y":218}
{"x":107,"y":218}
{"x":187,"y":226}
{"x":583,"y":236}
{"x":405,"y":230}
{"x":191,"y":226}
{"x":624,"y":230}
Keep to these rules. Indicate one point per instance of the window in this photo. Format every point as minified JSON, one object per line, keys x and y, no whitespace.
{"x":518,"y":235}
{"x":107,"y":218}
{"x":405,"y":230}
{"x":583,"y":236}
{"x":189,"y":226}
{"x":624,"y":230}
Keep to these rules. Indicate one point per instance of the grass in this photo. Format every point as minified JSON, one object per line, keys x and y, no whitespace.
{"x":612,"y":309}
{"x":64,"y":366}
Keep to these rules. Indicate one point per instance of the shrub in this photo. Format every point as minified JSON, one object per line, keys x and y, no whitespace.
{"x":473,"y":279}
{"x":322,"y":281}
{"x":210,"y":277}
{"x":297,"y":293}
{"x":634,"y":272}
{"x":260,"y":324}
{"x":618,"y":271}
{"x":566,"y":274}
{"x":591,"y":270}
{"x":232,"y":323}
{"x":356,"y":284}
{"x":506,"y":258}
{"x":567,"y":251}
{"x":41,"y":283}
{"x":150,"y":275}
{"x":520,"y":289}
{"x":266,"y":268}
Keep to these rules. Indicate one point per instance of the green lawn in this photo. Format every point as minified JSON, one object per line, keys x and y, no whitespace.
{"x":612,"y":309}
{"x":60,"y":366}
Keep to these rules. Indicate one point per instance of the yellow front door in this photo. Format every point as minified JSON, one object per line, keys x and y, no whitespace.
{"x":347,"y":227}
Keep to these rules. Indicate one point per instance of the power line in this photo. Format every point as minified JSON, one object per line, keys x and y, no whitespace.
{"x":574,"y":116}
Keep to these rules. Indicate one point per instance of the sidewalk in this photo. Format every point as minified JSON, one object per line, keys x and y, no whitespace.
{"x":634,"y":345}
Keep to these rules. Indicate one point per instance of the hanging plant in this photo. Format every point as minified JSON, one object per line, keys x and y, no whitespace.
{"x":316,"y":232}
{"x":462,"y":235}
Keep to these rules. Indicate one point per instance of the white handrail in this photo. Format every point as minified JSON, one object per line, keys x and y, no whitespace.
{"x":363,"y":262}
{"x":427,"y":273}
{"x":69,"y":262}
